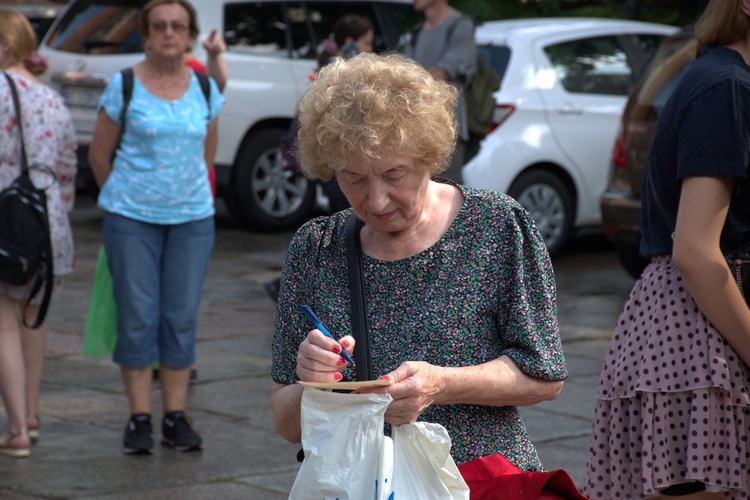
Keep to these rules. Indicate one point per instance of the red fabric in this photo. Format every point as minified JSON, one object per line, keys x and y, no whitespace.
{"x":196,"y":65}
{"x":493,"y":477}
{"x":212,"y":179}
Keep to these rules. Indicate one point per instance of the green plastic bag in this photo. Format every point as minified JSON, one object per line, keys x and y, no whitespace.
{"x":101,"y":323}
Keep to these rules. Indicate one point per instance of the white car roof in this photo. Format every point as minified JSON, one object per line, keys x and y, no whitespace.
{"x":500,"y":31}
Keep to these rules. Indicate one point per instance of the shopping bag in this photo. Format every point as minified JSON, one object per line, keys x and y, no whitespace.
{"x":423,"y":467}
{"x":347,"y":456}
{"x":100,"y":334}
{"x":342,"y":437}
{"x":495,"y":478}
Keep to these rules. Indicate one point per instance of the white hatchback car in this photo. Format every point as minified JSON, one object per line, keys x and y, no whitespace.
{"x":564,"y":85}
{"x":272,"y":46}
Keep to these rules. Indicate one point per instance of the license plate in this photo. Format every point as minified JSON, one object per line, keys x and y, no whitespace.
{"x":86,"y":97}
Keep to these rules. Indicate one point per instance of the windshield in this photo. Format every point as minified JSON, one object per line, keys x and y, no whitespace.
{"x":98,"y":27}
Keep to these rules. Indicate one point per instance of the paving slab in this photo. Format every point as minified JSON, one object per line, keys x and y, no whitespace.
{"x":84,"y":409}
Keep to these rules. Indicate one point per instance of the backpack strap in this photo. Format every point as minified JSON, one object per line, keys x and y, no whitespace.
{"x":127,"y":92}
{"x":47,"y":279}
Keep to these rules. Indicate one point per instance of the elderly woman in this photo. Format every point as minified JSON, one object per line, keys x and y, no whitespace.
{"x":460,"y":290}
{"x":158,"y":228}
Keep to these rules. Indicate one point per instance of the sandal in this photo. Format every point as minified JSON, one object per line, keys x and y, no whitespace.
{"x":16,"y":444}
{"x":32,"y":425}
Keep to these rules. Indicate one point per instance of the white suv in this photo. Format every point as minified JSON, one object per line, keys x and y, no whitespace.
{"x":564,"y":86}
{"x":271,"y":53}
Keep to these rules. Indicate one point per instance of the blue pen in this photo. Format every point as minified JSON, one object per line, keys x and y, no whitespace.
{"x":317,"y":324}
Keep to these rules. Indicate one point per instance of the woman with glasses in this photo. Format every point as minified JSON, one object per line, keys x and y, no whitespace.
{"x":150,"y":159}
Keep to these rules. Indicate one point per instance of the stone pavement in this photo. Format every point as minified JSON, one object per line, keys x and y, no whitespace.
{"x":84,"y":409}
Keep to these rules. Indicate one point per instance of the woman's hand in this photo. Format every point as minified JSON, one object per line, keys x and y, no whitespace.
{"x":319,"y":357}
{"x":415,"y":385}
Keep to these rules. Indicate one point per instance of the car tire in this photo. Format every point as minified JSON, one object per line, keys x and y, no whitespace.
{"x":265,"y":195}
{"x":631,"y":259}
{"x":550,"y":204}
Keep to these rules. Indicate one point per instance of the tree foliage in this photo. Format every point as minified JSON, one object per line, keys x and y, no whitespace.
{"x":677,"y":13}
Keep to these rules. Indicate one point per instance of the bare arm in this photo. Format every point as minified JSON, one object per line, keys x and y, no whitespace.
{"x":104,"y":141}
{"x":704,"y":204}
{"x":216,"y":66}
{"x":418,"y":385}
{"x":212,"y":141}
{"x":286,"y":401}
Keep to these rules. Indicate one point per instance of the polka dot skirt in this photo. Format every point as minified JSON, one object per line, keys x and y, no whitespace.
{"x":673,"y":404}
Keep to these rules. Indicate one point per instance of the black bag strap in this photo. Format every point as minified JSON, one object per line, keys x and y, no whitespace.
{"x":17,"y":108}
{"x":359,"y":305}
{"x":48,"y":278}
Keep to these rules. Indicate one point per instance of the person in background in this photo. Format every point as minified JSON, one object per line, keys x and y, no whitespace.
{"x":460,"y":289}
{"x":158,"y":226}
{"x":673,"y":409}
{"x":352,"y":34}
{"x":216,"y":68}
{"x":50,"y":141}
{"x":448,"y":58}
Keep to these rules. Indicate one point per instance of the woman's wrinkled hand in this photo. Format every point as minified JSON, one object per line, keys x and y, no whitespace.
{"x":415,"y":385}
{"x":319,"y":357}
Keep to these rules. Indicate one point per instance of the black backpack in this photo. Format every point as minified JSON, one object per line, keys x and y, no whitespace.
{"x":480,"y":104}
{"x":25,"y":246}
{"x":127,"y":90}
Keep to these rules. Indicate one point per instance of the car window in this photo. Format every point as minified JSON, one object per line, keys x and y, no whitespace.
{"x":497,"y":56}
{"x":592,"y":66}
{"x":649,"y":44}
{"x":98,"y":27}
{"x":665,"y":71}
{"x":297,"y":29}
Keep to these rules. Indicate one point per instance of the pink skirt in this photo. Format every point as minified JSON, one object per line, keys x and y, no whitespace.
{"x":673,"y":404}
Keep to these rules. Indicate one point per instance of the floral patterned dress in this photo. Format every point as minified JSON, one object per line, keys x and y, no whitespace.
{"x":50,"y":142}
{"x":484,"y":290}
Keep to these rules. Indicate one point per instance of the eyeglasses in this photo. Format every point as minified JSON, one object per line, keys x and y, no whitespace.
{"x":178,"y":28}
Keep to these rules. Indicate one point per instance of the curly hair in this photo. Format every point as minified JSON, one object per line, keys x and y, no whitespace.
{"x":373,"y":106}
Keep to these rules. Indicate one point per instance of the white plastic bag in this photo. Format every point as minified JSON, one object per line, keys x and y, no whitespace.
{"x":342,"y":437}
{"x":423,"y":467}
{"x":348,"y":457}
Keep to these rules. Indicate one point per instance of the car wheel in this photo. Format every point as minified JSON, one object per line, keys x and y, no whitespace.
{"x":631,"y":259}
{"x":548,"y":201}
{"x":265,"y":195}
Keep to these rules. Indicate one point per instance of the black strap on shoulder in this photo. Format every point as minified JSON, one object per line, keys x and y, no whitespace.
{"x":359,"y":305}
{"x":127,"y":90}
{"x":48,"y":278}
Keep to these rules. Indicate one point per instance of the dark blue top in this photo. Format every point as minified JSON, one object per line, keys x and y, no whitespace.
{"x":703,"y":131}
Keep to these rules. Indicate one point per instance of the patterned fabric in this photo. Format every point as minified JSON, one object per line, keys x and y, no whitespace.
{"x":50,"y":141}
{"x":673,"y":399}
{"x":159,"y":174}
{"x":484,"y":290}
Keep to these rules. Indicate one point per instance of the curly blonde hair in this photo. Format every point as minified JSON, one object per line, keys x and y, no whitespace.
{"x":371,"y":106}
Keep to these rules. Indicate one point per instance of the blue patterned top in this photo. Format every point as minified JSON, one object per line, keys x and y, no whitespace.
{"x":485,"y":289}
{"x":159,"y":174}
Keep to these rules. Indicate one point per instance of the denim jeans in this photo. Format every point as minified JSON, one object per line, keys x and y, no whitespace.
{"x":157,"y":275}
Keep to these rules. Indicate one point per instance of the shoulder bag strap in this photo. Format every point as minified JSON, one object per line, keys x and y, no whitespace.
{"x":17,"y":107}
{"x":359,"y":305}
